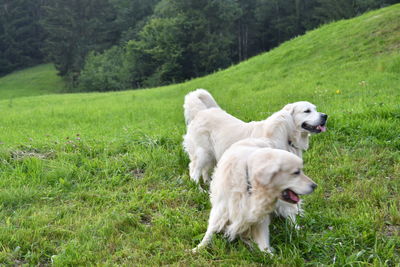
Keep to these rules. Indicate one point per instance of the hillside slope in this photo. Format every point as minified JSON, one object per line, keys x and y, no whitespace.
{"x":39,"y":80}
{"x":102,"y":178}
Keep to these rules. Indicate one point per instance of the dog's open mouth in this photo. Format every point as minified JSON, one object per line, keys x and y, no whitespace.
{"x":290,"y":196}
{"x":314,"y":129}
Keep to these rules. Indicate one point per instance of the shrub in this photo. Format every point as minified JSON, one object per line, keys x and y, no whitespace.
{"x":105,"y":71}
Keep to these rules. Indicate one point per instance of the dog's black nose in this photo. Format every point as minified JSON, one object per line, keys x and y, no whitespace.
{"x":314,"y":186}
{"x":324,"y":116}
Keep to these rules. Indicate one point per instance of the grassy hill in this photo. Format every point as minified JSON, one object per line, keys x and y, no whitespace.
{"x":102,"y":178}
{"x":39,"y":80}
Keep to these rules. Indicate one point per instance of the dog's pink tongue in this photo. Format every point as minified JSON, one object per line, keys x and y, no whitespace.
{"x":321,"y":128}
{"x":293,"y":196}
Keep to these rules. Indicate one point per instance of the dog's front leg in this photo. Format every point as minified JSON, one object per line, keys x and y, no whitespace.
{"x":206,"y":239}
{"x":288,"y":210}
{"x":215,"y":216}
{"x":260,"y":234}
{"x":292,"y":219}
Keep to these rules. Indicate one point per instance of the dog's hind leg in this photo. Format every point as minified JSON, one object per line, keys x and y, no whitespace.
{"x":195,"y":175}
{"x":192,"y":171}
{"x":195,"y":168}
{"x":201,"y":166}
{"x":190,"y":148}
{"x":208,"y":166}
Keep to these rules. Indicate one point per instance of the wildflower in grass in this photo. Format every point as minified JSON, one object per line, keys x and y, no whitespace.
{"x":338,"y":91}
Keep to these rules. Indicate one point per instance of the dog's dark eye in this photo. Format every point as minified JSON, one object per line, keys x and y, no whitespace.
{"x":297,"y":172}
{"x":307,"y":111}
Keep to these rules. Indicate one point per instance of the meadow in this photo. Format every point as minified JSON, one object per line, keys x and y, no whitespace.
{"x":38,"y":80}
{"x":102,"y":179}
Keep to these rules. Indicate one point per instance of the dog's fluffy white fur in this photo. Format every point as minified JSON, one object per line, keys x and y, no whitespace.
{"x":211,"y":130}
{"x":246,"y":184}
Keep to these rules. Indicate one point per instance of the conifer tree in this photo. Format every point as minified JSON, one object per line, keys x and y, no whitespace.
{"x":74,"y":28}
{"x":21,"y":36}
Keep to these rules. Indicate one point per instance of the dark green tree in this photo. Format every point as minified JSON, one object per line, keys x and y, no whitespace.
{"x":157,"y":58}
{"x":105,"y":71}
{"x":132,"y":16}
{"x":21,"y":35}
{"x":184,"y":39}
{"x":325,"y":11}
{"x":76,"y":27}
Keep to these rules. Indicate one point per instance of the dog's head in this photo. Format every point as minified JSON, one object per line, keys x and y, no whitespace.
{"x":306,"y":117}
{"x":282,"y":172}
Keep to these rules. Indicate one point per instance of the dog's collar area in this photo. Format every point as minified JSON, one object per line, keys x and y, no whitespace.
{"x":249,"y":187}
{"x":292,"y":144}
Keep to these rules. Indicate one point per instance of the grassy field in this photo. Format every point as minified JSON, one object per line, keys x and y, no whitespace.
{"x":101,"y":179}
{"x":39,"y":80}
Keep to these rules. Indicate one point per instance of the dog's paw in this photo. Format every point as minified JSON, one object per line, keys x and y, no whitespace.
{"x":270,"y":251}
{"x":193,"y":250}
{"x":202,"y":190}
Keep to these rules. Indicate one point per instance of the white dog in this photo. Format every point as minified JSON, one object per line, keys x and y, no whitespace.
{"x":248,"y":180}
{"x":210,"y":131}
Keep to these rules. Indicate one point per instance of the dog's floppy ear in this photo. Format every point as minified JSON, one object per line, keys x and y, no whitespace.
{"x":289,"y":108}
{"x":263,"y":167}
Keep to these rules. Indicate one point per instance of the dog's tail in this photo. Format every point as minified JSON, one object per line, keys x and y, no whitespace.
{"x":196,"y":101}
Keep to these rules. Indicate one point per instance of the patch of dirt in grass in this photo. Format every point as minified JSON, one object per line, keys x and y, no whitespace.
{"x":394,"y":47}
{"x":145,"y":219}
{"x":392,"y":230}
{"x":138,"y":173}
{"x":20,"y":262}
{"x":21,"y":154}
{"x":338,"y":189}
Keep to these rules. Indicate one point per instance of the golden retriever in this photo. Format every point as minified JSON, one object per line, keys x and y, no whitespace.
{"x":248,"y":180}
{"x":210,"y":131}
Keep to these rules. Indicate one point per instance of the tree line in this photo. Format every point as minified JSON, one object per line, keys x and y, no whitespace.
{"x":102,"y":45}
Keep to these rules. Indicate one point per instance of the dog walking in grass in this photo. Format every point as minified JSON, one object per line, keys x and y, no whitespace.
{"x":247,"y":183}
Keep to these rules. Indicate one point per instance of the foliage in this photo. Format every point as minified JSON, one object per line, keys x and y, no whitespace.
{"x":132,"y":16}
{"x":74,"y":28}
{"x":184,"y":39}
{"x":21,"y":36}
{"x":202,"y":36}
{"x":105,"y":71}
{"x":187,"y":38}
{"x":157,"y":57}
{"x":101,"y":179}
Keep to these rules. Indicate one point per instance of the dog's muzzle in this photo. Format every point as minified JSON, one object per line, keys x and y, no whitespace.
{"x":321,"y":127}
{"x":290,"y":196}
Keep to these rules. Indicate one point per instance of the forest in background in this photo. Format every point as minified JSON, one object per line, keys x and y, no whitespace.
{"x":105,"y":45}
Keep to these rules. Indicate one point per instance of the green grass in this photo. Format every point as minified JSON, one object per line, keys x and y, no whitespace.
{"x":101,"y":179}
{"x":39,"y":80}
